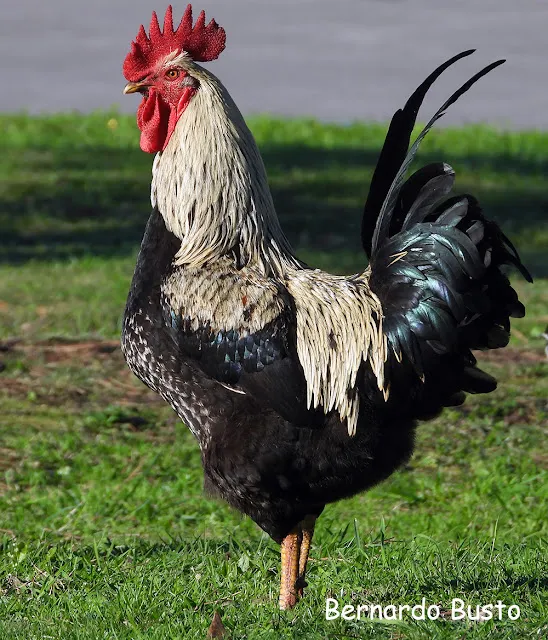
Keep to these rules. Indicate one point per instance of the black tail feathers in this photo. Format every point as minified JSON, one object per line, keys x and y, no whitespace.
{"x":396,"y":156}
{"x":437,"y":269}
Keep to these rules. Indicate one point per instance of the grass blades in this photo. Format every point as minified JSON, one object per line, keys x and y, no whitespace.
{"x":104,"y":529}
{"x":106,"y":532}
{"x":72,"y":186}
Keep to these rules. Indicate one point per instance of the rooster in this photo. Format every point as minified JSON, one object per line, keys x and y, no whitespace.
{"x":301,"y":387}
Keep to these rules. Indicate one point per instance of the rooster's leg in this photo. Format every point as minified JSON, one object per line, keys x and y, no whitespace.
{"x":294,"y":549}
{"x":290,"y":550}
{"x":307,"y":528}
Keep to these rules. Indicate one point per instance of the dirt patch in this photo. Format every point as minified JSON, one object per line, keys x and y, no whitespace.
{"x":511,"y":355}
{"x":51,"y":371}
{"x":59,"y":350}
{"x":7,"y":459}
{"x":541,"y":459}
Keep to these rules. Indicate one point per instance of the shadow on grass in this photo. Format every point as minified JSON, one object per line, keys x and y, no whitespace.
{"x":94,"y":201}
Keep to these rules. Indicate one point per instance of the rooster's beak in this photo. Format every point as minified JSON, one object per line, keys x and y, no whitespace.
{"x":133,"y":87}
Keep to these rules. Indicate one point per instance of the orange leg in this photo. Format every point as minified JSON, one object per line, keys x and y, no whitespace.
{"x":290,"y":550}
{"x":294,"y":551}
{"x":307,"y":527}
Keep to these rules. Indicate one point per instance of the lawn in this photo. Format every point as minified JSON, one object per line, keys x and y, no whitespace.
{"x":104,"y":530}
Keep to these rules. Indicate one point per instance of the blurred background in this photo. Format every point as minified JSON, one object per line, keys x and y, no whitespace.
{"x":318,"y":82}
{"x":76,"y":184}
{"x":338,"y":61}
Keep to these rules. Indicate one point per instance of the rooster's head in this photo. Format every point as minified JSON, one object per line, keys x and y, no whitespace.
{"x":161,"y":67}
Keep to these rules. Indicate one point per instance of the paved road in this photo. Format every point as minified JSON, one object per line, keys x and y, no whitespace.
{"x":337,"y":60}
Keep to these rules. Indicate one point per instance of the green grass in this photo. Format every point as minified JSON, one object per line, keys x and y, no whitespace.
{"x":104,"y":530}
{"x":72,"y":186}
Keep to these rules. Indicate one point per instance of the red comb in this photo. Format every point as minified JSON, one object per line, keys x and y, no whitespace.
{"x":202,"y":43}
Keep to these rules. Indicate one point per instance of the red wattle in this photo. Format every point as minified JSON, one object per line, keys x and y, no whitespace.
{"x":157,"y":119}
{"x":153,"y":119}
{"x":175,"y":114}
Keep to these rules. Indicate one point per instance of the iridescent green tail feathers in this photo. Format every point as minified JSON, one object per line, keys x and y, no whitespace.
{"x":436,"y":266}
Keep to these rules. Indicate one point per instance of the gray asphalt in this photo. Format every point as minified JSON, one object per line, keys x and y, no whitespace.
{"x":340,"y":60}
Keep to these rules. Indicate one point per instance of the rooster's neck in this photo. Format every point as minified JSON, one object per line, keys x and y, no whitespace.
{"x":211,"y":187}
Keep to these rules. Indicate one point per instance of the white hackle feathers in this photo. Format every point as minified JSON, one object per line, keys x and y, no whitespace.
{"x":217,"y":296}
{"x":339,"y":328}
{"x":211,"y":187}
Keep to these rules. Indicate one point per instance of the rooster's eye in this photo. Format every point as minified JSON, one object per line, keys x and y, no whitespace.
{"x":171,"y":74}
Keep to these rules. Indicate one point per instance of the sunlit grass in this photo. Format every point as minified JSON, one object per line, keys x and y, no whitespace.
{"x":104,"y":528}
